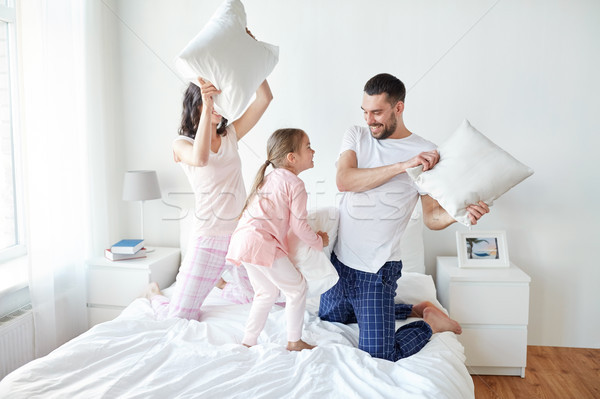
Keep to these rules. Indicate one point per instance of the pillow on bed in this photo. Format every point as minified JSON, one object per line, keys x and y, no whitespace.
{"x":315,"y":265}
{"x":228,"y":57}
{"x":471,"y":168}
{"x":414,"y":288}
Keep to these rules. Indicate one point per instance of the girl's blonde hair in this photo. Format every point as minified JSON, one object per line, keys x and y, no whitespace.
{"x":281,"y":143}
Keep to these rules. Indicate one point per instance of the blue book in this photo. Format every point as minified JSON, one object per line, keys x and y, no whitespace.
{"x":127,"y":247}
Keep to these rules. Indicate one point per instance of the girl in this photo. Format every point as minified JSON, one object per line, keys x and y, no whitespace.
{"x":207,"y":150}
{"x":276,"y":204}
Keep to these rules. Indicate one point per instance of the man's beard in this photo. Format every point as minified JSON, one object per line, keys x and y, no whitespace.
{"x":388,"y":131}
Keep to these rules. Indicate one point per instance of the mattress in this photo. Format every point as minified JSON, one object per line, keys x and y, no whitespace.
{"x":138,"y":356}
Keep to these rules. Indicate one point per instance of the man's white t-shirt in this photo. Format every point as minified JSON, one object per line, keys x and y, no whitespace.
{"x":372,"y":222}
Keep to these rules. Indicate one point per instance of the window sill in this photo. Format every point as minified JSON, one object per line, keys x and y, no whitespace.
{"x":13,"y":275}
{"x":14,"y":285}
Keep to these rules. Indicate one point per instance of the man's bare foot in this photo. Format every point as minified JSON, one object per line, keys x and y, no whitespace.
{"x":221,"y":284}
{"x":417,"y":310}
{"x":439,"y":322}
{"x":298,"y":345}
{"x":152,"y":290}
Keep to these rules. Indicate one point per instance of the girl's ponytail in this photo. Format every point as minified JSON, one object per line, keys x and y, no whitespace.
{"x":281,"y":143}
{"x":258,"y":181}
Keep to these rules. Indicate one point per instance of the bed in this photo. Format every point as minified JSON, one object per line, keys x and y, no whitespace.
{"x":138,"y":356}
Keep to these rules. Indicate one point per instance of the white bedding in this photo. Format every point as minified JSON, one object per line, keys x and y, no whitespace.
{"x":137,"y":356}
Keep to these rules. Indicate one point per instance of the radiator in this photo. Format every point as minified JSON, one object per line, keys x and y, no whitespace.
{"x":16,"y":340}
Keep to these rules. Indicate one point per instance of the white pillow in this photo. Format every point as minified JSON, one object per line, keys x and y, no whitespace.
{"x":315,"y":265}
{"x":471,"y":169}
{"x":327,"y":220}
{"x":412,"y":250}
{"x":414,"y":288}
{"x":228,"y":57}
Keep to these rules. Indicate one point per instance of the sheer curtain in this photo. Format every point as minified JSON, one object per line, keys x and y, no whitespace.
{"x":61,"y":174}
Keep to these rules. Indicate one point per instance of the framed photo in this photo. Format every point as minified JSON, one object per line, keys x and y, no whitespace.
{"x":482,"y":249}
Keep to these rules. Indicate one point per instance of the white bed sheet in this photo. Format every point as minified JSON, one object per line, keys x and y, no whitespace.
{"x":137,"y":356}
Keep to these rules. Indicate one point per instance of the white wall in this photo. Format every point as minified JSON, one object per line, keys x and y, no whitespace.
{"x":524,"y":73}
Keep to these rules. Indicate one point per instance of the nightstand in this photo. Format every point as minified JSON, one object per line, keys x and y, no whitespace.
{"x":492,"y":306}
{"x":111,"y":286}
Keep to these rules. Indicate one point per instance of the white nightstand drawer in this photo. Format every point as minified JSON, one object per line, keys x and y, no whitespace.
{"x":489,"y":303}
{"x":116,"y":287}
{"x":495,"y":347}
{"x":492,"y":306}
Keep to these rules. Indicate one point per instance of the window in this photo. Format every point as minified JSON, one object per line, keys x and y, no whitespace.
{"x":11,"y":221}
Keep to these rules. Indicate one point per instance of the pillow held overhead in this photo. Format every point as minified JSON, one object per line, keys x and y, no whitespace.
{"x":471,"y":169}
{"x":229,"y":58}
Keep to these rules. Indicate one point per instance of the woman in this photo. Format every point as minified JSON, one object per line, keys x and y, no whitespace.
{"x":207,"y":150}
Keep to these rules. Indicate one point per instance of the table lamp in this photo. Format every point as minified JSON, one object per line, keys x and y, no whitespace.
{"x":141,"y":185}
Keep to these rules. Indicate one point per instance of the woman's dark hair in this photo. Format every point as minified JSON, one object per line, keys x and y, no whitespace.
{"x":386,"y":83}
{"x":190,"y":114}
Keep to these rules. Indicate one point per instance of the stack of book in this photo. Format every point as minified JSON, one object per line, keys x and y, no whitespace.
{"x":126,"y":249}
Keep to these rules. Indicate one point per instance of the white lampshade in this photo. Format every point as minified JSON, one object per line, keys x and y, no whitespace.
{"x":141,"y":185}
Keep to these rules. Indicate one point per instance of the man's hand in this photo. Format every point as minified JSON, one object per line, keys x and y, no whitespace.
{"x":436,"y":217}
{"x":428,"y":159}
{"x":476,"y":211}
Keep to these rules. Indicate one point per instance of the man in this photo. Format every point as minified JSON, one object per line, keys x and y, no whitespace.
{"x":378,"y":200}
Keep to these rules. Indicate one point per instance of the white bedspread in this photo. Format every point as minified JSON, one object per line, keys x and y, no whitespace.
{"x":137,"y":356}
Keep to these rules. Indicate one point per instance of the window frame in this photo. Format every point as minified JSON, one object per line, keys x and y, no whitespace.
{"x":8,"y":15}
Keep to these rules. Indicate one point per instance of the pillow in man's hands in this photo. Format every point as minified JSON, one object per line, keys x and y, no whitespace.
{"x":471,"y":169}
{"x":229,"y":58}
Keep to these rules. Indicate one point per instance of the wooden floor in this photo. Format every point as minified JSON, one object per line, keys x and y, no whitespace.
{"x":552,"y":372}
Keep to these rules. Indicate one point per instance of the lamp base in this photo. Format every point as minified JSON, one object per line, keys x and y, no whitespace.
{"x":149,"y":250}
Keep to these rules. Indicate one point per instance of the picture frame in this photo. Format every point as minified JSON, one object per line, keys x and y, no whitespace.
{"x":481,"y":249}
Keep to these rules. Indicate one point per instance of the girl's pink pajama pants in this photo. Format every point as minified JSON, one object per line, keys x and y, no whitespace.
{"x":200,"y":270}
{"x":267,"y":281}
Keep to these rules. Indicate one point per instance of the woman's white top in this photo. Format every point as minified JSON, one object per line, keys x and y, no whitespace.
{"x":218,"y":188}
